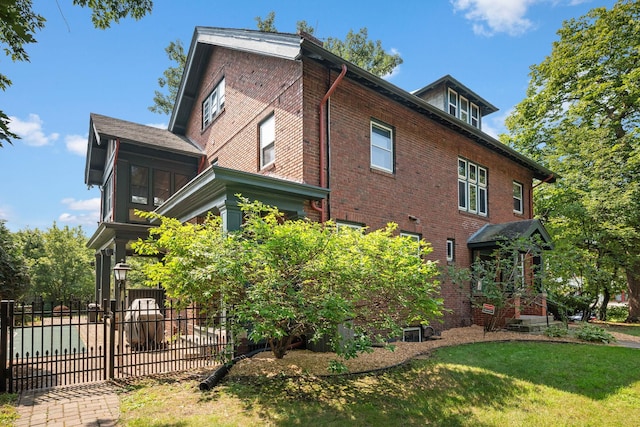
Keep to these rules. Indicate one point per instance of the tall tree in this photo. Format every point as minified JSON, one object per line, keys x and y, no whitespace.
{"x":59,"y":263}
{"x":163,"y":103}
{"x":287,"y":279}
{"x":19,"y":24}
{"x":580,"y":118}
{"x":356,"y":48}
{"x":14,"y":279}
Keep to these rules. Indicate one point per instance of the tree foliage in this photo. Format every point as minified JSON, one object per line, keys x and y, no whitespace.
{"x":19,"y":24}
{"x":356,"y":48}
{"x":14,"y":278}
{"x":163,"y":103}
{"x":59,"y":263}
{"x":580,"y":118}
{"x":287,"y":279}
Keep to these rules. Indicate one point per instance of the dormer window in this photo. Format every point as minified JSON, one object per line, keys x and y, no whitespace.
{"x":463,"y":109}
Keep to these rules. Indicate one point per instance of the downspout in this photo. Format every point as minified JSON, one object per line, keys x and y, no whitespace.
{"x":547,"y":179}
{"x":202,"y":163}
{"x":323,"y":142}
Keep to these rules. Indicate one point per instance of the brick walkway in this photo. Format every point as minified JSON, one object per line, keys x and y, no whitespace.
{"x":94,"y":405}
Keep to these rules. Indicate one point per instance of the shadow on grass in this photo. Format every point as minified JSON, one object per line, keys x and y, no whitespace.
{"x":441,"y":391}
{"x":416,"y":394}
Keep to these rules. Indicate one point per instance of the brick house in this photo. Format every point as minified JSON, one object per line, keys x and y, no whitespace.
{"x":278,"y":118}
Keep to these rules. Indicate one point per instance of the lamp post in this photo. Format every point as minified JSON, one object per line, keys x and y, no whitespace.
{"x":120,"y":271}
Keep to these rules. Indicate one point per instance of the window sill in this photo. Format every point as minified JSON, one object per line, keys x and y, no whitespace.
{"x":382,"y":172}
{"x":269,"y":168}
{"x":213,"y":120}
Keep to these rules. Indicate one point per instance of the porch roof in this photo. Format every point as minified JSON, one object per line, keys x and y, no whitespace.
{"x":491,"y":235}
{"x":216,"y":187}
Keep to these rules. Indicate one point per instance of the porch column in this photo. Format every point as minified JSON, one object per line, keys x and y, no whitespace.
{"x":98,"y":286}
{"x":105,"y":275}
{"x":231,"y":216}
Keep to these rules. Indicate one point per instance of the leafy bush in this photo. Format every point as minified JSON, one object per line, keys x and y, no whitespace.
{"x":556,"y":331}
{"x":594,"y":333}
{"x":617,"y":313}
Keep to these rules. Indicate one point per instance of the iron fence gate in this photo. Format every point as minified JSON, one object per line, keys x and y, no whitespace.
{"x":45,"y":345}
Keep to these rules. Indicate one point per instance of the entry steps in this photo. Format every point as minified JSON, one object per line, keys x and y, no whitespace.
{"x":531,"y":323}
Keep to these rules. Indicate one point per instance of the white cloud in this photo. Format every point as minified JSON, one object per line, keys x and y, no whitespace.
{"x":89,"y":211}
{"x":77,"y":144}
{"x":82,"y":205}
{"x":496,"y":16}
{"x":31,"y":131}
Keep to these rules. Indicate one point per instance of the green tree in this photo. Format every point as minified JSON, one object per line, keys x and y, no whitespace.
{"x":19,"y":24}
{"x":356,"y":48}
{"x":163,"y":103}
{"x":59,"y":263}
{"x":580,"y":118}
{"x":285,"y":279}
{"x":14,"y":279}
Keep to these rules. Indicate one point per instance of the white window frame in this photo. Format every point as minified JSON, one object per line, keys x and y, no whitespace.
{"x":472,"y":188}
{"x":452,"y":102}
{"x":267,"y":141}
{"x":413,"y":236}
{"x":412,"y":329}
{"x":464,"y":109}
{"x":213,"y":104}
{"x":519,"y":199}
{"x":451,"y":250}
{"x":341,"y":224}
{"x":474,"y":117}
{"x":377,"y":148}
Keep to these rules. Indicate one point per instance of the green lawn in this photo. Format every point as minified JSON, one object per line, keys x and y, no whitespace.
{"x":488,"y":384}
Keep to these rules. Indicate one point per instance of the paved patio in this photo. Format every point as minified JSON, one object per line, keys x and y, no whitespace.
{"x":93,"y":404}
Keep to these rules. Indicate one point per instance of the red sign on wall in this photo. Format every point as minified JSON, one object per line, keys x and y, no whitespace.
{"x":488,"y":308}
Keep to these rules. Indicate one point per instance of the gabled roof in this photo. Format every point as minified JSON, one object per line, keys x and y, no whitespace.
{"x":298,"y":47}
{"x":103,"y":128}
{"x":491,"y":235}
{"x":485,"y":106}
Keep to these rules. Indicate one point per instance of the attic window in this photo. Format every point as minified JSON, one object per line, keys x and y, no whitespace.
{"x":463,"y":109}
{"x":213,"y":104}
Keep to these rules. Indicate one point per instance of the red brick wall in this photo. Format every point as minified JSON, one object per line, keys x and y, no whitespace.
{"x":256,"y":87}
{"x":424,"y":184}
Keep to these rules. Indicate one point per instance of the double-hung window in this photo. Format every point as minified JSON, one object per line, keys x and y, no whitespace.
{"x":472,"y":187}
{"x":415,"y":238}
{"x":451,"y":247}
{"x":381,"y":147}
{"x":213,"y":104}
{"x":475,"y":116}
{"x":267,"y":141}
{"x":464,"y":109}
{"x":517,"y":197}
{"x":453,"y":103}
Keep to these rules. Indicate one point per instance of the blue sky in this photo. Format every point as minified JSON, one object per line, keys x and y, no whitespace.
{"x":75,"y":69}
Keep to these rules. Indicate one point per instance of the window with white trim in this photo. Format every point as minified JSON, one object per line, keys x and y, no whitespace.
{"x":381,"y":147}
{"x":451,"y":247}
{"x":517,"y":197}
{"x":415,"y":237}
{"x":463,"y":109}
{"x":412,"y":334}
{"x":351,"y":225}
{"x":472,"y":187}
{"x":213,"y":104}
{"x":268,"y":141}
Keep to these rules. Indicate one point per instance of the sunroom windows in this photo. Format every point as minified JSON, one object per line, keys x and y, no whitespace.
{"x":472,"y":188}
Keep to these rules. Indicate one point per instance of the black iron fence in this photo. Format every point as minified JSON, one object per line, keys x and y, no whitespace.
{"x":45,"y":345}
